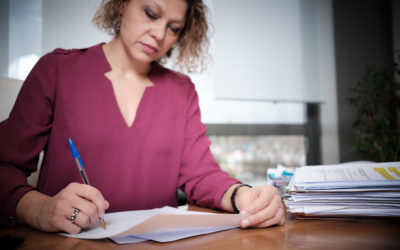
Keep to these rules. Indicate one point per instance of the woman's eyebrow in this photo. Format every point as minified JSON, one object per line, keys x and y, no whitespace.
{"x":159,"y":8}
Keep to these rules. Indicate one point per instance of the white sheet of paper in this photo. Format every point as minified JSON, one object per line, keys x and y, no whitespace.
{"x":161,"y":224}
{"x":346,"y":175}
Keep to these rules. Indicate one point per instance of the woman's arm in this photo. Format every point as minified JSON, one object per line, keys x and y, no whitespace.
{"x":200,"y":175}
{"x":24,"y":135}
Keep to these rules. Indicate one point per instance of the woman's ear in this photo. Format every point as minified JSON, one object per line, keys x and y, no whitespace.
{"x":121,"y":9}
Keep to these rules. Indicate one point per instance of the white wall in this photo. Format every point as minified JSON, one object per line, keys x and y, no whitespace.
{"x":68,"y":24}
{"x":213,"y":84}
{"x":25,"y":36}
{"x":4,"y":21}
{"x":9,"y":89}
{"x":276,"y":42}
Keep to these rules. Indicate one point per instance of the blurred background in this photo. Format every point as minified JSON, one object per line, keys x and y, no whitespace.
{"x":277,"y":91}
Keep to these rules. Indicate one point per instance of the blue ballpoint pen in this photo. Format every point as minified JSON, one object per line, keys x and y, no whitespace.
{"x":81,"y":168}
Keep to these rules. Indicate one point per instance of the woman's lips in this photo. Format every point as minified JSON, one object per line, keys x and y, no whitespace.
{"x":147,"y":48}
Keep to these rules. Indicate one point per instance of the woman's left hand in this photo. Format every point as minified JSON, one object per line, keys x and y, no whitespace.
{"x":263,"y":204}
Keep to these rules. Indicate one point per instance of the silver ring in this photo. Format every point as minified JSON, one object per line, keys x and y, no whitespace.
{"x":73,"y":217}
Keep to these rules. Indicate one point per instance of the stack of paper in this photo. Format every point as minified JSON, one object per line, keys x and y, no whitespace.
{"x":345,"y":190}
{"x":160,"y":224}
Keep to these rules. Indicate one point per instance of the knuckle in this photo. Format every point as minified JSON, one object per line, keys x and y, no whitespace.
{"x":93,"y":192}
{"x":97,"y":193}
{"x":71,"y":185}
{"x":64,"y":195}
{"x":92,"y":210}
{"x":85,"y":223}
{"x":91,"y":213}
{"x":58,"y":207}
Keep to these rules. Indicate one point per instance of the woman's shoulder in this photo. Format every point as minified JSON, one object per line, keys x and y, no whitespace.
{"x":65,"y":54}
{"x":68,"y":61}
{"x":167,"y":76}
{"x":75,"y":59}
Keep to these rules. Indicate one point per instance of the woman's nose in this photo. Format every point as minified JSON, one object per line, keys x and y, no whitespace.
{"x":158,"y":31}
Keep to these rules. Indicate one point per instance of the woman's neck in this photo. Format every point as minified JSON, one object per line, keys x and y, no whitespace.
{"x":121,"y":62}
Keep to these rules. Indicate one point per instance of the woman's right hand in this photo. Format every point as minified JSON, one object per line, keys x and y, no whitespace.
{"x":53,"y":214}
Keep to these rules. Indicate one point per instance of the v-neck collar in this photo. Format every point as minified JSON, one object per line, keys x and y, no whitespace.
{"x":155,"y":73}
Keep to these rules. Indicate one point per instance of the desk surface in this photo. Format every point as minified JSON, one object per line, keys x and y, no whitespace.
{"x":295,"y":234}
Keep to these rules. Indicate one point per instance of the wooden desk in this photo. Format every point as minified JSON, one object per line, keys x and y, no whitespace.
{"x":295,"y":234}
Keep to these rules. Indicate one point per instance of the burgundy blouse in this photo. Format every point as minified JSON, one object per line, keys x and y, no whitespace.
{"x":68,"y":96}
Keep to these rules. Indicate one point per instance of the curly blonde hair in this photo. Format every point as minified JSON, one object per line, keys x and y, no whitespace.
{"x":190,"y":51}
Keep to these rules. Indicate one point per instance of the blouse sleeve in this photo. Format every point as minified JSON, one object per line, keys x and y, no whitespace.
{"x":24,"y":134}
{"x":201,"y":177}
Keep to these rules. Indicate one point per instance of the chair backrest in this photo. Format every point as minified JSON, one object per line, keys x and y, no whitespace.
{"x":9,"y":89}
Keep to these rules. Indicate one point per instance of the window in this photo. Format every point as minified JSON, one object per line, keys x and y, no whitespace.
{"x":247,"y":158}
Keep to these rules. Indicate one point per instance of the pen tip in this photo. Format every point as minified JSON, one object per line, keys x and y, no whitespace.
{"x":103,"y":224}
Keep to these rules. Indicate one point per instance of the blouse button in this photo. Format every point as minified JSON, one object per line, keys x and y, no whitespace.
{"x":11,"y":220}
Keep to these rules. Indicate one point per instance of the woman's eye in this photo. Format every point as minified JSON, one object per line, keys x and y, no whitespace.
{"x":175,"y":29}
{"x":150,"y":13}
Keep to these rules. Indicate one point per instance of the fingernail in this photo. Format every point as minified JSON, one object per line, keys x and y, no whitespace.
{"x":245,"y":223}
{"x":243,"y":212}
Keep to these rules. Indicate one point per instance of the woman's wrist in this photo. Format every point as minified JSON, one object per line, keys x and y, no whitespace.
{"x":236,"y":194}
{"x":31,"y":200}
{"x":226,"y":202}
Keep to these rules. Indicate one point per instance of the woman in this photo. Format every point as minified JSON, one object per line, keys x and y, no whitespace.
{"x":135,"y":123}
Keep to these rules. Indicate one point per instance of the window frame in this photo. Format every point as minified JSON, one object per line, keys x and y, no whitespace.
{"x":310,"y":130}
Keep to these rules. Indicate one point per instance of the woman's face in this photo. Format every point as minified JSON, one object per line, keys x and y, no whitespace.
{"x":149,"y":28}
